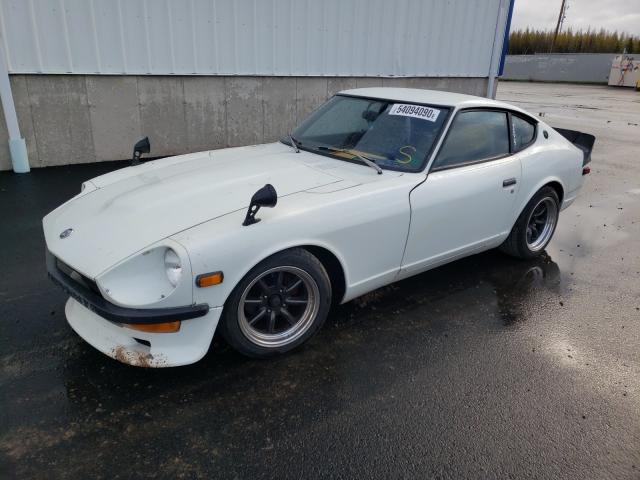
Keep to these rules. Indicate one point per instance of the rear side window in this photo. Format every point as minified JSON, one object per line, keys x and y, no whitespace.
{"x":522,"y":133}
{"x":474,"y":136}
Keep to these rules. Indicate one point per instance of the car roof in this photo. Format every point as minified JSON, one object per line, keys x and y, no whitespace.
{"x":430,"y":97}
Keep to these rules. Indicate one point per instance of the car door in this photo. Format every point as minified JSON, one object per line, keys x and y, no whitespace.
{"x":466,"y":202}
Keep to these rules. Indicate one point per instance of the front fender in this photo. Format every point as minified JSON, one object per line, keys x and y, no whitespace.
{"x":249,"y":259}
{"x":366,"y":233}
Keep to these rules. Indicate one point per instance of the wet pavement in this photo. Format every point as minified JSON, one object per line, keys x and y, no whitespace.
{"x":487,"y":367}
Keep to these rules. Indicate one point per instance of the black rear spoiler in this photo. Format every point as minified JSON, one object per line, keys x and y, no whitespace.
{"x":583,"y":141}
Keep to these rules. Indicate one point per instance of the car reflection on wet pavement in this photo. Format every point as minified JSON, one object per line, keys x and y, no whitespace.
{"x":487,"y":367}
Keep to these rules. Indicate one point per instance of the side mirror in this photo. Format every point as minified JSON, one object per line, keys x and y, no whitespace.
{"x":265,"y":197}
{"x":142,"y":146}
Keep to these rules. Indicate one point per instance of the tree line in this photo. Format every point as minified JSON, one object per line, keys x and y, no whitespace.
{"x":528,"y":42}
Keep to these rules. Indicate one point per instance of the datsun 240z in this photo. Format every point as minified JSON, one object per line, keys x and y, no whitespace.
{"x":376,"y":185}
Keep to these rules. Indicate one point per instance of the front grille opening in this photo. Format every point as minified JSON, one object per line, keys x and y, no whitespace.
{"x":146,"y":343}
{"x":77,"y":276}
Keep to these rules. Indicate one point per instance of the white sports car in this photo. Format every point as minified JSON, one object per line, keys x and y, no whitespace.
{"x":377,"y":185}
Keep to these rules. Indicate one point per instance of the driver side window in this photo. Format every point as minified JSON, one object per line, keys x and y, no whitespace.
{"x":475,"y":136}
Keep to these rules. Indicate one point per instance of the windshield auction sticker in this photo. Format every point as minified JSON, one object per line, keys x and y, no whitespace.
{"x":415,"y":111}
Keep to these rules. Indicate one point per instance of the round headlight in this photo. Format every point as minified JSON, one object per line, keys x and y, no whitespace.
{"x":172,"y":267}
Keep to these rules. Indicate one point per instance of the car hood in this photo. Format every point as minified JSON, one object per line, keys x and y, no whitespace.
{"x":121,"y":213}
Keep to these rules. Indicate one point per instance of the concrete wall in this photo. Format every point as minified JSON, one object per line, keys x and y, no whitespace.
{"x":87,"y":118}
{"x":559,"y":67}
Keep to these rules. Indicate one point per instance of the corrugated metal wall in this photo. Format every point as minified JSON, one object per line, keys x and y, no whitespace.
{"x":251,"y":37}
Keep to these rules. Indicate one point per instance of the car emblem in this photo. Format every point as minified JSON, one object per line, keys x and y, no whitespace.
{"x":66,"y":233}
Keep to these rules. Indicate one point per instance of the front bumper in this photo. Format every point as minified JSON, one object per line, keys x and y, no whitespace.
{"x":104,"y":325}
{"x":186,"y":346}
{"x":93,"y":301}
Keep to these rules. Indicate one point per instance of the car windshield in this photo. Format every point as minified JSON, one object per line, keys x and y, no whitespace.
{"x":395,"y":135}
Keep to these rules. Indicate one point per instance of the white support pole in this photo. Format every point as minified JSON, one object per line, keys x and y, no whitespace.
{"x":17,"y":145}
{"x":496,"y":51}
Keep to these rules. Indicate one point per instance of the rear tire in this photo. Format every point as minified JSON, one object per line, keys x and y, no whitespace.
{"x":280,"y":304}
{"x":535,"y":226}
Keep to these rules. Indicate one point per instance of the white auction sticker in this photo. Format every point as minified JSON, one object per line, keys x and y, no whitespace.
{"x":415,"y":111}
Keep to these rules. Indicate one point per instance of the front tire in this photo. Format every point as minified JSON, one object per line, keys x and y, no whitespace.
{"x":535,"y":226}
{"x":280,"y":304}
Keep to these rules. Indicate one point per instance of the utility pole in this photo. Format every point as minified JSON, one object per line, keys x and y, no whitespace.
{"x":561,"y":17}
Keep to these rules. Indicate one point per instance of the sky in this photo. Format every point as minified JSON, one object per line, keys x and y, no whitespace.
{"x":620,"y":15}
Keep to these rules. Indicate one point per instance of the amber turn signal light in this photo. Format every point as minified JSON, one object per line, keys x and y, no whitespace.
{"x":209,"y":279}
{"x":167,"y":327}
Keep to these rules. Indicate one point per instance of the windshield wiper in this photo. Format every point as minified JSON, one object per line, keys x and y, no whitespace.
{"x":294,"y":143}
{"x":366,"y":160}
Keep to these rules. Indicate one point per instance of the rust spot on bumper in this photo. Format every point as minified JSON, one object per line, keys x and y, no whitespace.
{"x":136,"y":358}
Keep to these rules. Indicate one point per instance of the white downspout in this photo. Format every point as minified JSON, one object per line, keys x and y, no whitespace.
{"x":496,"y":51}
{"x":17,"y":145}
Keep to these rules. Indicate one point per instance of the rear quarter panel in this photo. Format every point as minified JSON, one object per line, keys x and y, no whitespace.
{"x":551,"y":159}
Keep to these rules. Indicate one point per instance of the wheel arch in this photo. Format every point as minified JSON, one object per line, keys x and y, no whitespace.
{"x":511,"y":244}
{"x":552,"y":182}
{"x":557,"y":186}
{"x":334,"y":269}
{"x":332,"y":262}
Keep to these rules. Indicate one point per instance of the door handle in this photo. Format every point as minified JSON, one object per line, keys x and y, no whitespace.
{"x":508,"y":182}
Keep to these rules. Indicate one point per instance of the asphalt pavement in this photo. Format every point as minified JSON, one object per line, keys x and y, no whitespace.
{"x":489,"y":367}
